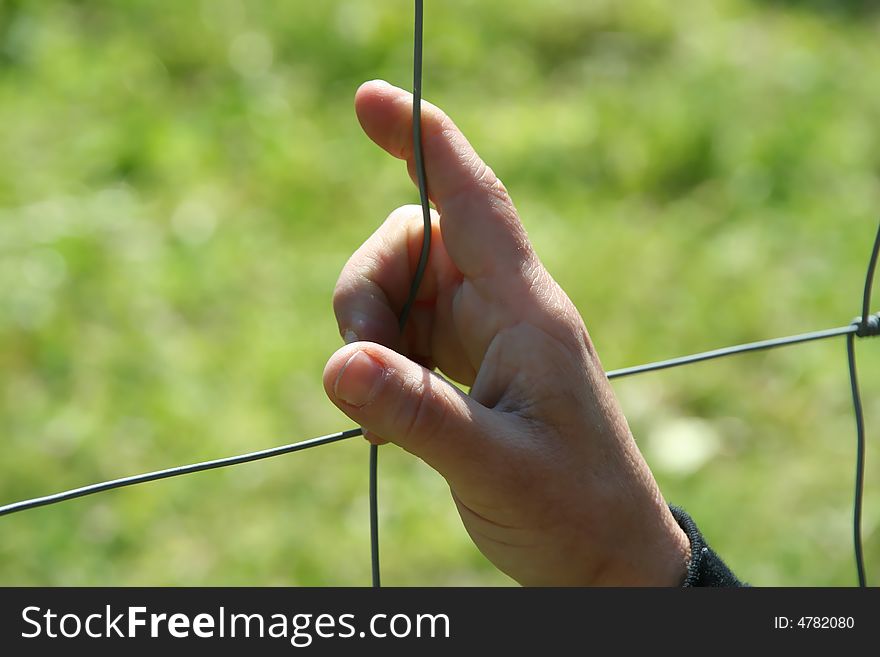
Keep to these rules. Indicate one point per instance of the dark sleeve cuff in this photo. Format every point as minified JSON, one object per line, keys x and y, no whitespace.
{"x":705,"y":567}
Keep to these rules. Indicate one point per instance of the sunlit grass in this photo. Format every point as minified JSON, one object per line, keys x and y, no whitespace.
{"x":180,"y":184}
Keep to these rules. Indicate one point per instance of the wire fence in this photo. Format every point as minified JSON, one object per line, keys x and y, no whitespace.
{"x":863,"y":326}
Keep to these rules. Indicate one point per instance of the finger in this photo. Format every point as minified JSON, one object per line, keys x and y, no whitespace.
{"x":482,"y":229}
{"x":375,"y":282}
{"x":392,"y":397}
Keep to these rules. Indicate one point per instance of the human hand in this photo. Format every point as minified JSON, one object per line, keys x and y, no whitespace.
{"x":539,"y":458}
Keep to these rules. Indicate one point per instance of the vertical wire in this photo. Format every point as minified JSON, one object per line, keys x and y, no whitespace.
{"x":860,"y":459}
{"x":374,"y":516}
{"x":419,"y":154}
{"x":869,"y":282}
{"x":422,"y":180}
{"x":864,"y":331}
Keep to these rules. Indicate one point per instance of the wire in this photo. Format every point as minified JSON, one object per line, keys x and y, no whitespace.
{"x":867,"y":325}
{"x":350,"y":433}
{"x":860,"y":459}
{"x":863,"y":326}
{"x":421,"y":175}
{"x":374,"y":517}
{"x":763,"y":345}
{"x":850,"y":331}
{"x":177,"y":472}
{"x":422,"y":179}
{"x":869,"y":283}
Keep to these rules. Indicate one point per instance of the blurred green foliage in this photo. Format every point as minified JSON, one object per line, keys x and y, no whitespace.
{"x":180,"y":183}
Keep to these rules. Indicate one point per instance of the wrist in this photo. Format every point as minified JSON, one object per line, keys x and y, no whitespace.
{"x":657,"y":558}
{"x":671,"y":567}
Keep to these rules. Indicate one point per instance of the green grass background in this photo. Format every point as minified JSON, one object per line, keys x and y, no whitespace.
{"x":181,"y":182}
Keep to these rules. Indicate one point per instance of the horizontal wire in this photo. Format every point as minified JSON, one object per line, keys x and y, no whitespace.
{"x":350,"y":433}
{"x":762,"y":345}
{"x":177,"y":471}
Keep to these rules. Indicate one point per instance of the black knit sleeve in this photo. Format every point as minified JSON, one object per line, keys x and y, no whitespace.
{"x":705,"y":567}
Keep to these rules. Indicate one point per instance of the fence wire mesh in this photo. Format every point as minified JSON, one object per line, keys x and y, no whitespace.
{"x":863,"y":326}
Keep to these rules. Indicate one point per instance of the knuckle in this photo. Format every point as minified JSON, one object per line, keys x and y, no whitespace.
{"x":485,"y":178}
{"x":404,"y":214}
{"x":343,"y":293}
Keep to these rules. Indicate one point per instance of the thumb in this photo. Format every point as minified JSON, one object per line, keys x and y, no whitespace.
{"x":481,"y":229}
{"x":404,"y":403}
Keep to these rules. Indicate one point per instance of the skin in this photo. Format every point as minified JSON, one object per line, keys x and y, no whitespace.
{"x":539,"y":458}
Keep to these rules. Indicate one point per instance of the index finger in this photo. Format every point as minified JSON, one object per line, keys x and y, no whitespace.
{"x":480,"y":225}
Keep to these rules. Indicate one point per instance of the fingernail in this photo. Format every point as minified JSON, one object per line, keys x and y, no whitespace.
{"x":349,"y":336}
{"x":359,"y":380}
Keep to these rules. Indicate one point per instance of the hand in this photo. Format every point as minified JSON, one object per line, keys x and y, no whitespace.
{"x":539,"y":458}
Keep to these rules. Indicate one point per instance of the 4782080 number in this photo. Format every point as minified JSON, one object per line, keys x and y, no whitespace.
{"x":814,"y":622}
